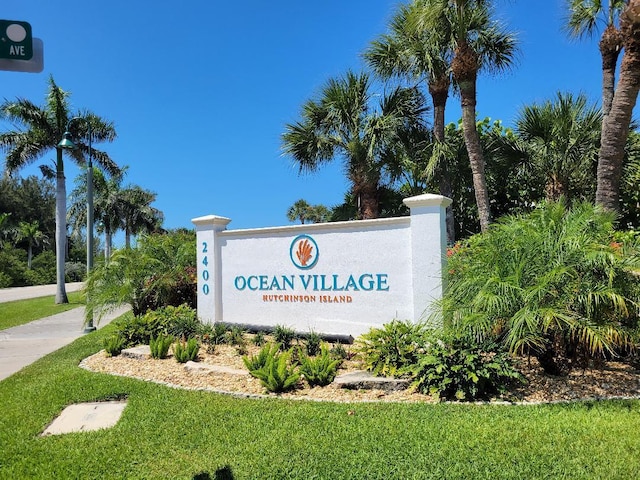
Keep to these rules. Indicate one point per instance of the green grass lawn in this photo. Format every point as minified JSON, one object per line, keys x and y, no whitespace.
{"x":24,"y":311}
{"x":178,"y":434}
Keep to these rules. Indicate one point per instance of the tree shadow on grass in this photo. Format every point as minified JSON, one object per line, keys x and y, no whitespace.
{"x":224,"y":473}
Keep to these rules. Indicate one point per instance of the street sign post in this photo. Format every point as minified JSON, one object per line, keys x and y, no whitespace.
{"x":16,"y":40}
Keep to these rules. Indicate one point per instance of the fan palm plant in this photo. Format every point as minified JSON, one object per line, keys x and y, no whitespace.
{"x":343,"y":123}
{"x":553,"y":283}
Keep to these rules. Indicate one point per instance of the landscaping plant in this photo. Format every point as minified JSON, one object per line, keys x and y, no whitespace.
{"x":320,"y":370}
{"x":278,"y":374}
{"x":312,"y":343}
{"x":390,"y":350}
{"x":284,"y":336}
{"x":186,"y":351}
{"x":456,"y":371}
{"x":554,"y":284}
{"x":256,"y":362}
{"x":159,"y":346}
{"x":113,"y":345}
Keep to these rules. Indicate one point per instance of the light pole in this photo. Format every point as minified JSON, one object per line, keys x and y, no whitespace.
{"x":67,"y":143}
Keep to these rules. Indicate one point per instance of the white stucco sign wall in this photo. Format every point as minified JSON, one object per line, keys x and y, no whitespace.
{"x":334,"y":278}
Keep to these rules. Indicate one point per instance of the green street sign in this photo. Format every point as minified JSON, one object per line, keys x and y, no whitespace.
{"x":16,"y":42}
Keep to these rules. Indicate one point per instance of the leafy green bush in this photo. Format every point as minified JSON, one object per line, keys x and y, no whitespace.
{"x":213,"y":335}
{"x":390,"y":350}
{"x":235,"y":336}
{"x":553,"y":283}
{"x":277,"y":374}
{"x":139,"y":330}
{"x":159,"y":271}
{"x":456,"y":372}
{"x":259,"y":339}
{"x":256,"y":362}
{"x":186,"y":351}
{"x":159,"y":346}
{"x":340,"y":352}
{"x":312,"y":343}
{"x":320,"y":370}
{"x":182,"y":320}
{"x":113,"y":345}
{"x":284,"y":336}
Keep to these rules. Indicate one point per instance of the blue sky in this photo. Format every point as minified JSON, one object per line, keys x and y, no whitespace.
{"x":200,"y":91}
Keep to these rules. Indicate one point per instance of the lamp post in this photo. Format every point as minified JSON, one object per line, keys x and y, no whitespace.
{"x":68,"y":144}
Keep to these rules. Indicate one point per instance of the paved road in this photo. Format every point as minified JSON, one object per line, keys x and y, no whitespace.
{"x":24,"y":344}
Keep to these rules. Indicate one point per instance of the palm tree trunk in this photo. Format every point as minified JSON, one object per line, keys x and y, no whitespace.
{"x":439,"y":91}
{"x":465,"y":71}
{"x":615,"y":127}
{"x":369,"y":207}
{"x":108,"y":240}
{"x":61,"y":229}
{"x":29,"y":255}
{"x":610,"y":48}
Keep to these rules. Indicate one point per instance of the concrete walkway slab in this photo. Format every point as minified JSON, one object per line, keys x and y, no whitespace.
{"x":24,"y":344}
{"x":84,"y":417}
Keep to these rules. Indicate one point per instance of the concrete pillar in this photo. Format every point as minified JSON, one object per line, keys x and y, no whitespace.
{"x":209,"y":261}
{"x":428,"y":249}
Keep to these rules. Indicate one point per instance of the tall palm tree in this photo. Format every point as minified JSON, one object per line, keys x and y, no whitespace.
{"x":342,"y":123}
{"x":585,"y":16}
{"x":39,"y":130}
{"x":615,"y":127}
{"x":479,"y":43}
{"x":30,"y":231}
{"x":561,"y":140}
{"x":418,"y":55}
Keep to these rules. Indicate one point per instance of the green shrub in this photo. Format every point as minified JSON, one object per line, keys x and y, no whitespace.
{"x":259,"y":339}
{"x":277,"y":374}
{"x":160,"y":346}
{"x":340,"y":352}
{"x":256,"y":362}
{"x":139,"y":330}
{"x":390,"y":350}
{"x":213,"y":335}
{"x":113,"y":345}
{"x":455,"y":372}
{"x":312,"y":343}
{"x":553,"y":283}
{"x":320,"y":370}
{"x":235,"y":336}
{"x":284,"y":336}
{"x":182,"y":321}
{"x":186,"y":351}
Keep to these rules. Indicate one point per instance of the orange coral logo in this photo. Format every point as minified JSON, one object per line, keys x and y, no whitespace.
{"x":304,"y":252}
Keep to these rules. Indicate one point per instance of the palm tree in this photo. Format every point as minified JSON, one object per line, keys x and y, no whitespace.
{"x":342,"y":123}
{"x":561,"y":140}
{"x":584,"y":19}
{"x":138,"y":216}
{"x":30,"y":231}
{"x":4,"y":227}
{"x":418,"y":55}
{"x":615,"y":127}
{"x":40,"y":129}
{"x":298,"y":211}
{"x":478,"y":43}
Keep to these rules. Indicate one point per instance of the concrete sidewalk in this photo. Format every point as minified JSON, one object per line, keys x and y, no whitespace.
{"x":22,"y":293}
{"x":24,"y":344}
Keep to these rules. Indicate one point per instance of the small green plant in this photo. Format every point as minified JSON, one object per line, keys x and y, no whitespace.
{"x":390,"y":350}
{"x":278,"y":374}
{"x":113,"y":345}
{"x":186,"y":351}
{"x":159,"y":346}
{"x":284,"y":336}
{"x":213,"y":335}
{"x":182,"y":321}
{"x":456,"y":372}
{"x":312,"y":343}
{"x":256,"y":362}
{"x":320,"y":370}
{"x":340,"y":352}
{"x":259,"y":339}
{"x":235,"y":336}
